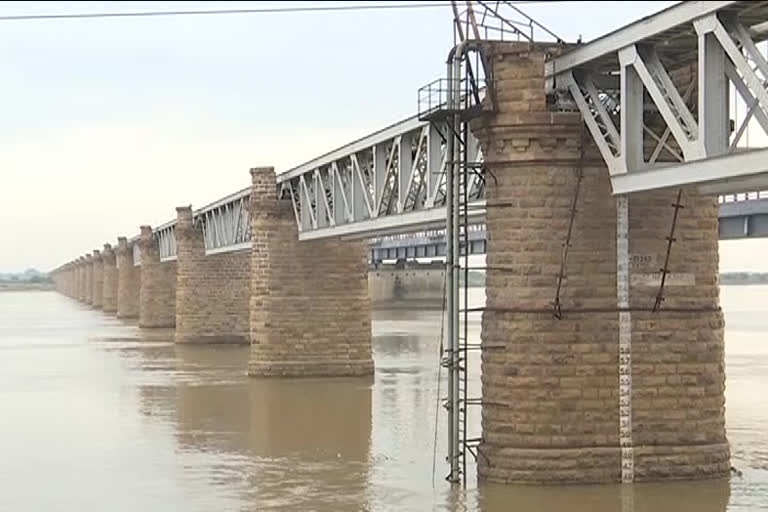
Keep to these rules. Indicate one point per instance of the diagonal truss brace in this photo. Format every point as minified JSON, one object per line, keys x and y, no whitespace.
{"x":597,"y":119}
{"x":665,"y":96}
{"x":747,"y":83}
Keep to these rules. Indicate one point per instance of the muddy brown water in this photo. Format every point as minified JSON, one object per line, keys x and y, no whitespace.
{"x":98,"y":414}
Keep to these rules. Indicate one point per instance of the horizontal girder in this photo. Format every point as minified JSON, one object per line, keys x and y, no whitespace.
{"x":741,"y":216}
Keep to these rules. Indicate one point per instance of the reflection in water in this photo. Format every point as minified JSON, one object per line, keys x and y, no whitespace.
{"x":702,"y":496}
{"x":102,"y":411}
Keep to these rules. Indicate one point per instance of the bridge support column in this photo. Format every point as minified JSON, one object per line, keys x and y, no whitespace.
{"x":88,"y":279}
{"x":157,"y":299}
{"x":128,"y":281}
{"x":310,"y":310}
{"x":80,"y":288}
{"x":98,"y":280}
{"x":212,"y":292}
{"x":109,"y":287}
{"x":599,"y":394}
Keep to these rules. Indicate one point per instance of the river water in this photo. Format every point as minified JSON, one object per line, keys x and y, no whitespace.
{"x":96,"y":414}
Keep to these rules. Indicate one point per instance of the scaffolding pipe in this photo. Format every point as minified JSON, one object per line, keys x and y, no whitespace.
{"x":453,"y":103}
{"x":450,"y":346}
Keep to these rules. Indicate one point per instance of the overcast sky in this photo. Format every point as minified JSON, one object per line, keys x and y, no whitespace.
{"x":107,"y":124}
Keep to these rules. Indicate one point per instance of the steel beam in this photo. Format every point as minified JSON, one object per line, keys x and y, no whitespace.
{"x":645,"y":28}
{"x":385,"y":134}
{"x":433,"y":218}
{"x":710,"y":171}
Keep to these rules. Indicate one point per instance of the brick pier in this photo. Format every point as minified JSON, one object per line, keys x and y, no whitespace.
{"x":310,"y":311}
{"x":157,"y":296}
{"x":553,"y":410}
{"x":212,"y":292}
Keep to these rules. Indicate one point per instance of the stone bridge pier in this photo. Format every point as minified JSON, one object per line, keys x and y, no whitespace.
{"x":97,"y":291}
{"x":109,"y":285}
{"x":80,"y":279}
{"x":309,"y":310}
{"x":212,"y":291}
{"x":64,"y":280}
{"x":612,"y":390}
{"x":157,"y":296}
{"x":128,"y":281}
{"x":88,"y":282}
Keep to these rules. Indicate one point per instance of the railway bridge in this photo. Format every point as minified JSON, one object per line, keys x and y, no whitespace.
{"x":595,"y":171}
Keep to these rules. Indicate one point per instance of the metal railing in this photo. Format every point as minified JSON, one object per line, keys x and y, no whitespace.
{"x":744,"y":196}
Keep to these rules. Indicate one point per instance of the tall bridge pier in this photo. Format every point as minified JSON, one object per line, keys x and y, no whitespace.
{"x":310,"y":311}
{"x":552,"y":400}
{"x":128,"y":281}
{"x":97,"y":281}
{"x":88,"y":281}
{"x":157,"y":293}
{"x":109,"y":288}
{"x":212,"y":292}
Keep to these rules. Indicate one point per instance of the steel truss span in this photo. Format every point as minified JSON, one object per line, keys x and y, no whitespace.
{"x":393,"y":181}
{"x":384,"y":183}
{"x":609,"y":78}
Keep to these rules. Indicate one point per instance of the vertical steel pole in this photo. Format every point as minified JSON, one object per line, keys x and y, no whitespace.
{"x":455,"y":85}
{"x":449,"y":264}
{"x":455,"y":242}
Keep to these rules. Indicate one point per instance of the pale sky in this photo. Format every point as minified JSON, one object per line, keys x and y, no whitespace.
{"x":107,"y":124}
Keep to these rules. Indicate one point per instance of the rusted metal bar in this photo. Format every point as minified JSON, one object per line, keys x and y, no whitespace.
{"x":670,"y":239}
{"x":556,"y":306}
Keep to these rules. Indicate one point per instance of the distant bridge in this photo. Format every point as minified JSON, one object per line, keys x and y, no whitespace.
{"x":741,"y":216}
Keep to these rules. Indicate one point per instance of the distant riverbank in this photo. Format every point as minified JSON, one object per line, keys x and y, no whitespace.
{"x":744,"y":278}
{"x":25,"y":287}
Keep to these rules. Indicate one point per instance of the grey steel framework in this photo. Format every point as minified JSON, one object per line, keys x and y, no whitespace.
{"x":741,"y":216}
{"x":134,"y":245}
{"x":607,"y":79}
{"x":226,"y":227}
{"x":391,"y":181}
{"x":226,"y":223}
{"x":744,"y":215}
{"x":426,"y":244}
{"x":166,"y":240}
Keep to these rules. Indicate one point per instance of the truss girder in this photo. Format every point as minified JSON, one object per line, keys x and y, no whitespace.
{"x":721,"y":39}
{"x":665,"y":97}
{"x":166,"y":241}
{"x":136,"y":250}
{"x":226,"y":226}
{"x":400,"y":170}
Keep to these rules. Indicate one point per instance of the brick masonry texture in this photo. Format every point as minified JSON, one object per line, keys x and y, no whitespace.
{"x":212,"y":292}
{"x":81,"y":279}
{"x":157,"y":297}
{"x":310,"y":310}
{"x":109,"y":288}
{"x":64,"y":279}
{"x":98,"y":280}
{"x":88,"y":279}
{"x":128,"y":281}
{"x":550,"y":411}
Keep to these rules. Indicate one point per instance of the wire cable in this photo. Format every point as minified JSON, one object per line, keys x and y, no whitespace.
{"x":439,"y":368}
{"x":260,"y":10}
